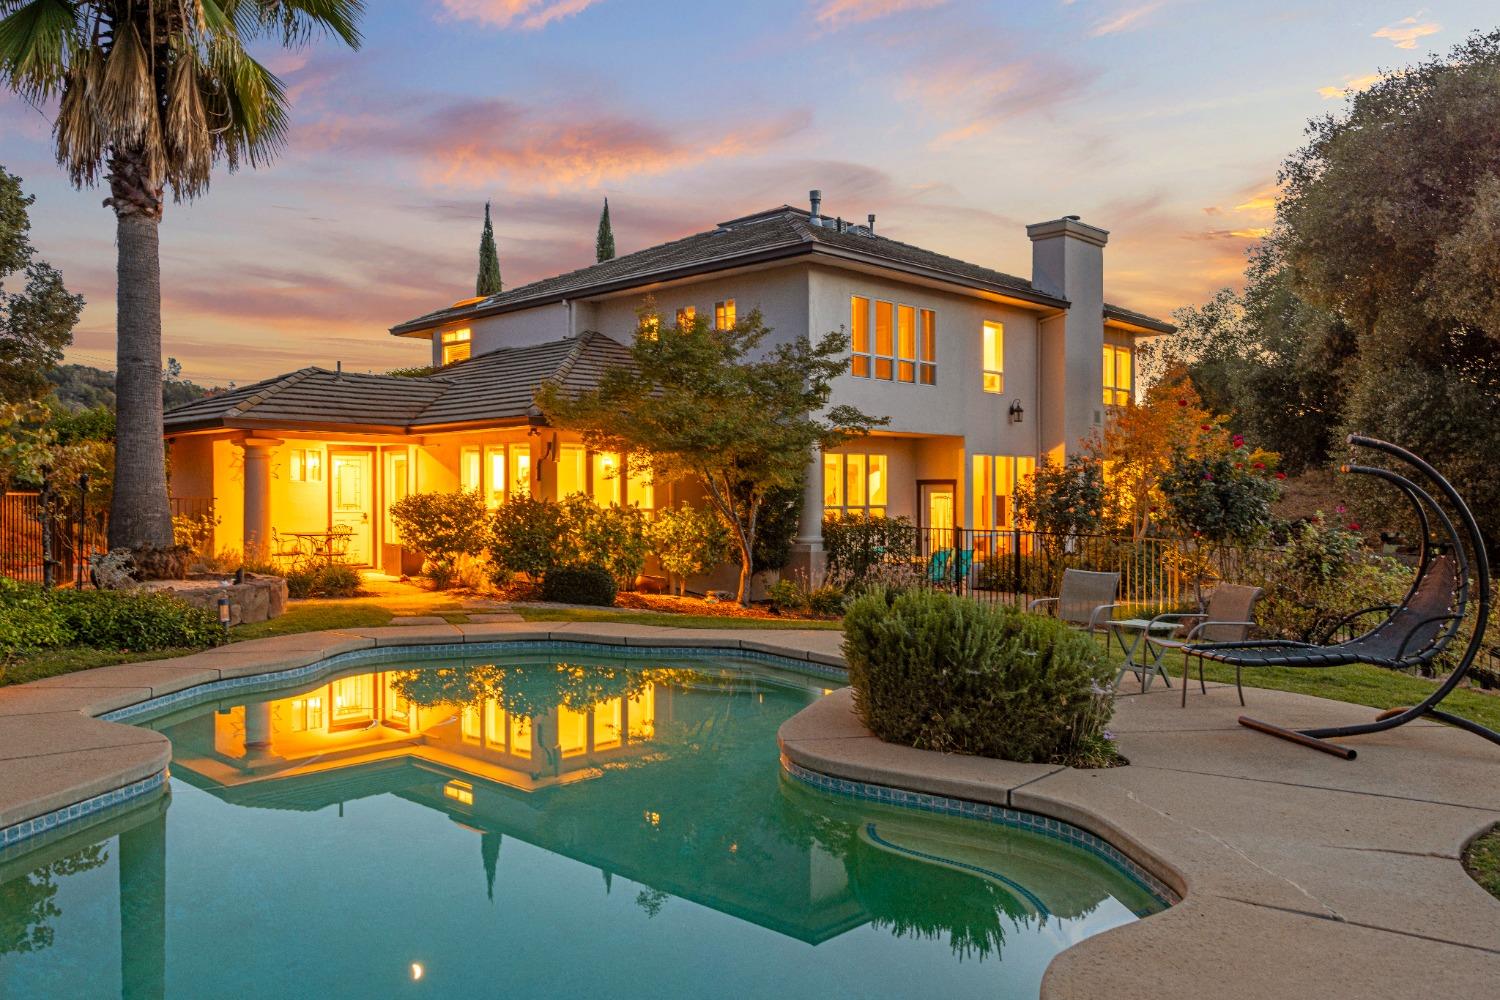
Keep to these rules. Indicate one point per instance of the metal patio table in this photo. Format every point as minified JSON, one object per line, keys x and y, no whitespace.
{"x":1137,"y":629}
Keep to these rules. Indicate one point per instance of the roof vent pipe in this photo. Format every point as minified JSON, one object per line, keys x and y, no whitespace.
{"x":816,"y":198}
{"x":871,"y":217}
{"x":838,"y":224}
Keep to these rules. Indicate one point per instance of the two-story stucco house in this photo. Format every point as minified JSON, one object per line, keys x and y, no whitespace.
{"x":981,"y":374}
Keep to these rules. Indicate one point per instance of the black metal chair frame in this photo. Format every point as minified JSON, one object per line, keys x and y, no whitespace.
{"x":1433,"y":557}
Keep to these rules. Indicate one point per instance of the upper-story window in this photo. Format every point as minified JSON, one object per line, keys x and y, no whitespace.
{"x":994,"y":357}
{"x":724,"y":314}
{"x":903,"y":347}
{"x":1119,"y":384}
{"x":457,"y":345}
{"x":650,"y":326}
{"x":685,"y":317}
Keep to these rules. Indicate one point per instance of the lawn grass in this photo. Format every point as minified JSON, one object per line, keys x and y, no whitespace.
{"x":316,"y":617}
{"x":1357,"y":684}
{"x":1482,"y":861}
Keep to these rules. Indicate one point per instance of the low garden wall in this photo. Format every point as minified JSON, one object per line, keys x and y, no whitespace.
{"x":258,"y":599}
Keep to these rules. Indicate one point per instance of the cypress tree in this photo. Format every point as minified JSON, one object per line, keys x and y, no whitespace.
{"x":604,"y":243}
{"x":488,"y":282}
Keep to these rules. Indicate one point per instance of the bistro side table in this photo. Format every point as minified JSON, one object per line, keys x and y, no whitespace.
{"x":1149,"y":666}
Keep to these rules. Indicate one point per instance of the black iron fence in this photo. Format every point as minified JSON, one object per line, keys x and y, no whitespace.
{"x":48,"y":537}
{"x":1016,"y":566}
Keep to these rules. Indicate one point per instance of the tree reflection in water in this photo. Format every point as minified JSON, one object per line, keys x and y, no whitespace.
{"x":27,"y":903}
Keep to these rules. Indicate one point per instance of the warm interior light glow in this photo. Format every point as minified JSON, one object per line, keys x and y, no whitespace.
{"x":459,"y":791}
{"x":417,"y":972}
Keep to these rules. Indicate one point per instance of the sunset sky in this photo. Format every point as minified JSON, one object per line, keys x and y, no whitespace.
{"x":957,"y":123}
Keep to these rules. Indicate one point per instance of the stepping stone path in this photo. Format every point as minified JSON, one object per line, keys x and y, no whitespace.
{"x":417,"y":620}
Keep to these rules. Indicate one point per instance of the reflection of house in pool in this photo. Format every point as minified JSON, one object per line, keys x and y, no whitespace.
{"x":617,"y":783}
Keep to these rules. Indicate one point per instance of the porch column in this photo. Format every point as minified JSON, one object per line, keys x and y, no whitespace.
{"x":807,"y":548}
{"x":258,"y":492}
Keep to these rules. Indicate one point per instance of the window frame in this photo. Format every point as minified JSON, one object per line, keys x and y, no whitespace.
{"x":686,"y":316}
{"x":992,"y":379}
{"x":453,"y":342}
{"x":874,"y":492}
{"x":725,"y":316}
{"x":1114,"y":357}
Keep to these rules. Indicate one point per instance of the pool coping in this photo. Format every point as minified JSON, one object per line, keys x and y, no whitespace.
{"x":1294,"y":870}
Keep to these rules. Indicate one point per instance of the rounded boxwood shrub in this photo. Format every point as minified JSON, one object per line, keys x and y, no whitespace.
{"x":941,"y":672}
{"x":331,"y":580}
{"x":585,"y":583}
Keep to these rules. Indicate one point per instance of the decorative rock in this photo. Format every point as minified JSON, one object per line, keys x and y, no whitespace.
{"x":258,"y":599}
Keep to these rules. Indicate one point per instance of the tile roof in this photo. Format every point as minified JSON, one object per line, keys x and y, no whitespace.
{"x":497,"y":387}
{"x":773,"y":234}
{"x":1130,"y":316}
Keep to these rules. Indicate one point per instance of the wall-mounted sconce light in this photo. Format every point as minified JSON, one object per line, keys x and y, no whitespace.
{"x":1016,"y":412}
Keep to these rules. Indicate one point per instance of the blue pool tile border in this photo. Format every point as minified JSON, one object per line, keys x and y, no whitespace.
{"x":38,"y":825}
{"x":1016,"y":819}
{"x":467,"y":650}
{"x":47,"y":822}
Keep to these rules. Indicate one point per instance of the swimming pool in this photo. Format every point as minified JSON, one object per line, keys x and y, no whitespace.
{"x":539,"y":823}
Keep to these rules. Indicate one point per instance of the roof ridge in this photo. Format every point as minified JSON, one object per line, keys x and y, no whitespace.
{"x":560,"y":375}
{"x":256,"y":399}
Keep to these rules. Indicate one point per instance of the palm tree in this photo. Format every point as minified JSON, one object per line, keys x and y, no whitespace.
{"x":151,"y":95}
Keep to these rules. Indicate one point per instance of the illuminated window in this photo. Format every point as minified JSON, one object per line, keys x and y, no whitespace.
{"x":606,"y":479}
{"x":1118,"y":382}
{"x":724,"y":314}
{"x":650,"y":327}
{"x":520,"y":735}
{"x":397,"y":486}
{"x":927,"y":370}
{"x":855,"y":484}
{"x":859,"y":338}
{"x":494,"y":465}
{"x":885,"y":341}
{"x":520,"y":470}
{"x":306,"y":465}
{"x":640,"y":491}
{"x":307,"y":714}
{"x":995,"y":480}
{"x":686,"y":317}
{"x":572,"y":731}
{"x":494,"y":725}
{"x":906,"y":344}
{"x":571,"y":470}
{"x":461,"y":792}
{"x":469,"y":470}
{"x":470,"y":724}
{"x":608,"y":724}
{"x":456,"y":346}
{"x":397,"y":708}
{"x":353,"y":700}
{"x":994,"y":357}
{"x":641,"y":714}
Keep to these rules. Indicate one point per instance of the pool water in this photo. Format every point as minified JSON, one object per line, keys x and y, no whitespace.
{"x":542,"y":825}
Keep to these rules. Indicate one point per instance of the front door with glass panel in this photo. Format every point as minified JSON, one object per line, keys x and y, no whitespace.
{"x":936,"y":510}
{"x":352,"y":501}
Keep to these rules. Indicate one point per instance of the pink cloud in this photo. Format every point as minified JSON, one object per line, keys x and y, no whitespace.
{"x":838,"y":13}
{"x":529,"y":15}
{"x":1126,"y":20}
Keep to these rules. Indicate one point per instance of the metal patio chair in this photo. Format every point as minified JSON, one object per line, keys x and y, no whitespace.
{"x":1229,"y":617}
{"x":1085,"y":599}
{"x":1453,"y":573}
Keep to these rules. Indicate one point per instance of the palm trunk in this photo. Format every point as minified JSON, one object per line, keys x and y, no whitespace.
{"x":139,"y":515}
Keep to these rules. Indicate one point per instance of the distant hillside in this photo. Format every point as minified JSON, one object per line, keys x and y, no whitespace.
{"x":80,"y":387}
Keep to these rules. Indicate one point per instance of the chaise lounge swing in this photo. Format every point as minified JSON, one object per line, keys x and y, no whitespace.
{"x":1412,"y":634}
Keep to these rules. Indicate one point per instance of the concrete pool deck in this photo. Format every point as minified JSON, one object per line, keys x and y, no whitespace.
{"x":1300,"y":873}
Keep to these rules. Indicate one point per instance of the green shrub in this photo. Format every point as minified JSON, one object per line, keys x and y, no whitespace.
{"x":826,"y":600}
{"x":583,"y":583}
{"x":28,"y":620}
{"x":330,"y":580}
{"x":688,"y":540}
{"x":445,"y":527}
{"x":855,"y":545}
{"x":530,"y":536}
{"x":135,"y":621}
{"x":787,"y":595}
{"x":613,"y":538}
{"x":940,"y":672}
{"x":1322,"y":575}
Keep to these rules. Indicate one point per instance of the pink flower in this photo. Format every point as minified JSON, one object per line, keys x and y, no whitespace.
{"x":1260,"y":465}
{"x":1339,"y":509}
{"x":1353,"y":525}
{"x":1209,"y":476}
{"x":1281,"y":475}
{"x":1205,"y":427}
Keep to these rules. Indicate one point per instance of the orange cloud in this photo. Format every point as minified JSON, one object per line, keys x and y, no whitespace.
{"x":529,"y":15}
{"x":1127,"y":19}
{"x":837,"y":13}
{"x":1351,"y":85}
{"x":1261,"y":205}
{"x":1404,"y":33}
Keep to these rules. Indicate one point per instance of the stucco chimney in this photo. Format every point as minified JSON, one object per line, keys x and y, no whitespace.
{"x":816,"y":198}
{"x":1067,"y":261}
{"x":872,"y":223}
